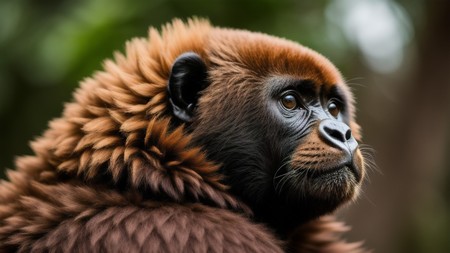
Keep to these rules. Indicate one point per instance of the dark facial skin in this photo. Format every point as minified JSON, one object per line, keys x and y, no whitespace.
{"x":318,"y":170}
{"x":285,"y":148}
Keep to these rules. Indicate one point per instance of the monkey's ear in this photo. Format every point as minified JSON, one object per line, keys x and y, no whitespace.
{"x":187,"y":78}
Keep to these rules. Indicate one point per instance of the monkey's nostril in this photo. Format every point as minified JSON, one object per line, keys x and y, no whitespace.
{"x":335,"y":134}
{"x":348,"y":135}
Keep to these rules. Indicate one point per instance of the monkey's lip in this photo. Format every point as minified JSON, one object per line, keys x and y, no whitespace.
{"x":342,"y":168}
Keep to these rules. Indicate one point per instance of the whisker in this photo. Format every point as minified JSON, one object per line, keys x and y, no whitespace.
{"x":351,"y":82}
{"x":279,"y":169}
{"x":365,"y":196}
{"x":283,"y":181}
{"x":368,"y":154}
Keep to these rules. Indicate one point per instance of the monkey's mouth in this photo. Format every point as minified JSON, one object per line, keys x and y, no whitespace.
{"x":343,"y":169}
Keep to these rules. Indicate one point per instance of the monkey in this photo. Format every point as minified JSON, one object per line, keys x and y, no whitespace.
{"x":195,"y":139}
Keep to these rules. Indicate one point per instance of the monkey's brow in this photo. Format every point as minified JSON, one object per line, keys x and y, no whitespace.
{"x":305,"y":87}
{"x":336,"y":92}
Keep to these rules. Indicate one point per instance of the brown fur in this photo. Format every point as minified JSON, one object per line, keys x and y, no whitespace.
{"x":113,"y":174}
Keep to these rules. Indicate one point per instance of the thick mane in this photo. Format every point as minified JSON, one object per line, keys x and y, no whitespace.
{"x":117,"y":134}
{"x":119,"y":117}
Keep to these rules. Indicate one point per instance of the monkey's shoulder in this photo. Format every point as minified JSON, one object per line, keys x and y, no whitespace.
{"x":167,"y":228}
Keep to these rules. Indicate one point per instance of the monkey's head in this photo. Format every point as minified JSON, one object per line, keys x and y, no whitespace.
{"x":277,"y":117}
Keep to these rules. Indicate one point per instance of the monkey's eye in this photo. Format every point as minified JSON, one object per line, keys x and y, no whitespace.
{"x":289,"y":101}
{"x":334,"y":109}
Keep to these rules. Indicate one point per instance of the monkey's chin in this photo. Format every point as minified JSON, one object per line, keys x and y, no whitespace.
{"x":338,"y":184}
{"x":322,"y":190}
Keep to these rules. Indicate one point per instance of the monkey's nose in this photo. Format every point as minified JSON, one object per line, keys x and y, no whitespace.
{"x":337,"y":134}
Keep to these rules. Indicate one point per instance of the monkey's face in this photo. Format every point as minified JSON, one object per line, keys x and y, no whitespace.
{"x":321,"y":164}
{"x":284,"y":140}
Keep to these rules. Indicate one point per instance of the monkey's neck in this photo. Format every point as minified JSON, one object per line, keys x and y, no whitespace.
{"x":284,"y":218}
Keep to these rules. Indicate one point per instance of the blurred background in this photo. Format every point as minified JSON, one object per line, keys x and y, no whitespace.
{"x":394,"y":54}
